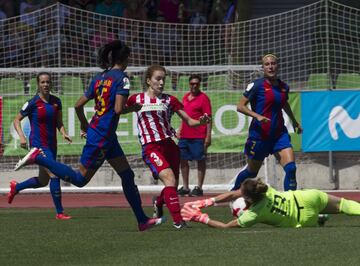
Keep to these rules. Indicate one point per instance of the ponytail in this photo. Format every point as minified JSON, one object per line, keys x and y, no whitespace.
{"x":115,"y":52}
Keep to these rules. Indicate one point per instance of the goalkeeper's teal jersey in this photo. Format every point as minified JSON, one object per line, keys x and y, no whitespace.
{"x":276,"y":208}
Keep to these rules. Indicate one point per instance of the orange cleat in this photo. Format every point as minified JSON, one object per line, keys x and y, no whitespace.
{"x":62,"y":216}
{"x":13,"y":192}
{"x":151,"y":223}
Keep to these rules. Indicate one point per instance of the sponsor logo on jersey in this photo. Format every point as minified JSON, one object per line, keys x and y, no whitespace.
{"x":126,"y":82}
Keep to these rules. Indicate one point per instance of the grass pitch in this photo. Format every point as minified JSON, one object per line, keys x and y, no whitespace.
{"x":109,"y":236}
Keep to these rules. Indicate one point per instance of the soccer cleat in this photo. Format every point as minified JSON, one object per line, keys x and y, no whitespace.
{"x":197,"y":191}
{"x":322,"y":218}
{"x":183,"y":191}
{"x":158,"y":210}
{"x":181,"y":225}
{"x":151,"y":223}
{"x":28,"y":159}
{"x":13,"y":192}
{"x":62,"y":216}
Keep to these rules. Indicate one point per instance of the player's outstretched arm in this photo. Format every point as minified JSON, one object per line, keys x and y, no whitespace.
{"x":218,"y":224}
{"x":205,"y":119}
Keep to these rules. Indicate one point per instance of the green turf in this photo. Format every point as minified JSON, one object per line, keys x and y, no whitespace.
{"x":109,"y":236}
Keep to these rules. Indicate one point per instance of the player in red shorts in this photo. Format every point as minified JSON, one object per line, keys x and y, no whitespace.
{"x":159,"y":151}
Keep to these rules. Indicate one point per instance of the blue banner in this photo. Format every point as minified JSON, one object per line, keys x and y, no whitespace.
{"x":331,"y":121}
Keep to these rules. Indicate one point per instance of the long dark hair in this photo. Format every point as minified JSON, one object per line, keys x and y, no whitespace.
{"x":115,"y":52}
{"x":253,"y":190}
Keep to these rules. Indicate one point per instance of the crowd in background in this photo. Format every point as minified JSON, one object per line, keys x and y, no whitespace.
{"x":171,"y":11}
{"x":33,"y":39}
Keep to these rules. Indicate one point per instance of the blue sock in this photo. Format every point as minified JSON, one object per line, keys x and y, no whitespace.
{"x":63,"y":171}
{"x":55,"y":191}
{"x":32,"y":182}
{"x":132,"y":194}
{"x":290,"y":177}
{"x":244,"y":174}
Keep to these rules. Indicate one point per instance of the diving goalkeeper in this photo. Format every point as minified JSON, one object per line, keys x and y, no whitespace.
{"x":299,"y":208}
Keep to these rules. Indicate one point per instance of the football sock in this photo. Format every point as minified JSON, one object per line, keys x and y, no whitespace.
{"x":55,"y":191}
{"x":172,"y":203}
{"x":63,"y":171}
{"x":349,"y":207}
{"x":290,"y":176}
{"x":32,"y":182}
{"x":244,"y":174}
{"x":132,"y":194}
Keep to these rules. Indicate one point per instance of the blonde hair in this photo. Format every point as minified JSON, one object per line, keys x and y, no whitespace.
{"x":269,"y":55}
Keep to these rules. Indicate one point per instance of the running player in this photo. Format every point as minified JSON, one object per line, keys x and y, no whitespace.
{"x":44,"y":111}
{"x":159,"y":151}
{"x":110,"y":90}
{"x":299,"y":208}
{"x":268,"y":96}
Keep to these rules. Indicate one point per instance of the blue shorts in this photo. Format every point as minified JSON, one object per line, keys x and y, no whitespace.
{"x":192,"y":149}
{"x":260,"y":149}
{"x":98,"y":149}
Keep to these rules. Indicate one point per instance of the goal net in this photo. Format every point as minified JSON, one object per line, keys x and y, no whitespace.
{"x":318,"y":45}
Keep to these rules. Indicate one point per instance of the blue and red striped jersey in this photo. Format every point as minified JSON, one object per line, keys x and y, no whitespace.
{"x":43,"y":121}
{"x":103,"y":89}
{"x":267,"y":100}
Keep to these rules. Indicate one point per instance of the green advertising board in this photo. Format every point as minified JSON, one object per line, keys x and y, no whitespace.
{"x":229,"y":127}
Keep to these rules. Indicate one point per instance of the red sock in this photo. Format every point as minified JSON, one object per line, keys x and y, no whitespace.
{"x":172,"y":203}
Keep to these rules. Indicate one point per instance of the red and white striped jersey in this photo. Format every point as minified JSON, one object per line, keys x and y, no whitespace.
{"x":154,"y":118}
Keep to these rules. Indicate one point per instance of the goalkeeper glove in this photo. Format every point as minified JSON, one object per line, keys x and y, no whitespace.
{"x":194,"y":214}
{"x":202,"y":218}
{"x":201,"y":203}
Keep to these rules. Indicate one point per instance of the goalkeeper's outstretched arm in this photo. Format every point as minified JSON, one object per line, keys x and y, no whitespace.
{"x":218,"y":224}
{"x":228,"y":196}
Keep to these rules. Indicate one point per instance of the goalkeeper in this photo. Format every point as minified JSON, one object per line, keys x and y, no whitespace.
{"x":299,"y":208}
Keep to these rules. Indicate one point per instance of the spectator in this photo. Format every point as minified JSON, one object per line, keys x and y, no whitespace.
{"x":198,"y":13}
{"x":111,"y":8}
{"x":101,"y":36}
{"x":222,"y":11}
{"x":151,"y":7}
{"x":194,"y":141}
{"x":88,"y":5}
{"x":48,"y":43}
{"x":135,"y":10}
{"x":10,"y":45}
{"x":169,"y":9}
{"x":29,"y":6}
{"x":7,"y":9}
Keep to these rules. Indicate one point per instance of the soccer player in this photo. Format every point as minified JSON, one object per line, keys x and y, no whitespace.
{"x":194,"y":141}
{"x":110,"y":90}
{"x":44,"y":111}
{"x":268,"y":96}
{"x":159,"y":151}
{"x":299,"y":208}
